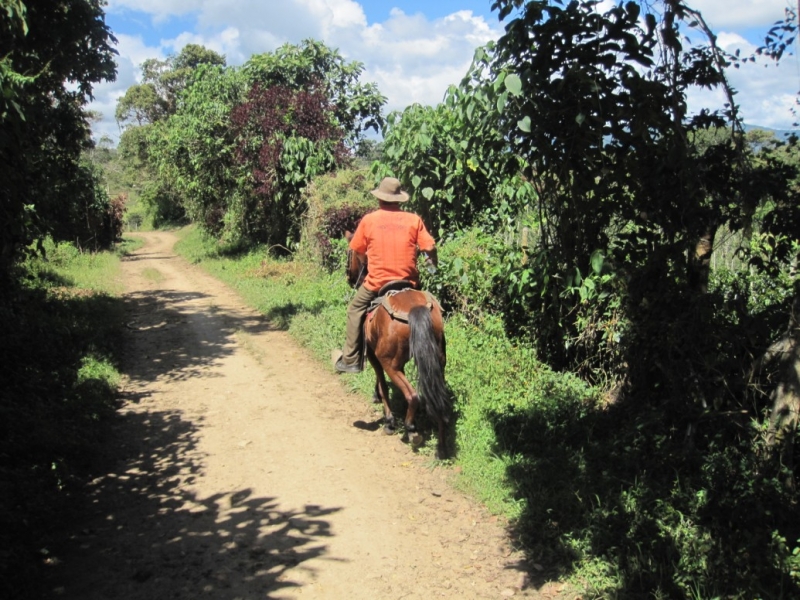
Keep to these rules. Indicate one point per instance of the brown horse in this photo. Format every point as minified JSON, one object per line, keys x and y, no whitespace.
{"x":413,"y":329}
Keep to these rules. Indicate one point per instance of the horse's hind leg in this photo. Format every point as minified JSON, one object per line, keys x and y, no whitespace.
{"x":398,"y":377}
{"x":376,"y":395}
{"x":382,"y":394}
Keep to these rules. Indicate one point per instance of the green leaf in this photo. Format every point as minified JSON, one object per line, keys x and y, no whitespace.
{"x":513,"y":84}
{"x":525,"y":124}
{"x":427,"y":192}
{"x":501,"y":101}
{"x":416,"y":180}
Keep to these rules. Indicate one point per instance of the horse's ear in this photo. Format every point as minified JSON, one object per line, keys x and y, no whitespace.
{"x":348,"y":235}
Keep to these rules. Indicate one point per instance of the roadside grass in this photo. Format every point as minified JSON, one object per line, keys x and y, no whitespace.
{"x":95,"y":271}
{"x":61,"y":323}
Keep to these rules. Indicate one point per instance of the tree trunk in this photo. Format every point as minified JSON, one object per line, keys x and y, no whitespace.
{"x":700,"y":261}
{"x":785,"y":412}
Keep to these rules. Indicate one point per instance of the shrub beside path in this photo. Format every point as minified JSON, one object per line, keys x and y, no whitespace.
{"x":241,"y":468}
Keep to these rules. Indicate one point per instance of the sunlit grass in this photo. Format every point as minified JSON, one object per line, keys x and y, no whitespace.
{"x":80,"y":269}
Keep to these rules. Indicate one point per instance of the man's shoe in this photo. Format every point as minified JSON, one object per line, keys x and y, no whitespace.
{"x":343,"y":367}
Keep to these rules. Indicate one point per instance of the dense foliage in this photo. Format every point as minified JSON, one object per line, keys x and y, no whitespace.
{"x":336,"y":202}
{"x":149,"y":151}
{"x":162,"y":82}
{"x":57,"y":383}
{"x":232,"y":148}
{"x":285,"y":137}
{"x":53,"y":52}
{"x":355,"y":106}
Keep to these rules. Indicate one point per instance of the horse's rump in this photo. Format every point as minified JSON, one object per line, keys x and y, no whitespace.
{"x":400,"y":303}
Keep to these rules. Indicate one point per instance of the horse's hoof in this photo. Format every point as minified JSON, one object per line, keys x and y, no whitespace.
{"x":388,"y":430}
{"x":376,"y":399}
{"x":415,"y":439}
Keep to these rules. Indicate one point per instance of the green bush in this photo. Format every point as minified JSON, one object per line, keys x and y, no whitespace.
{"x":466,"y":280}
{"x":336,"y":203}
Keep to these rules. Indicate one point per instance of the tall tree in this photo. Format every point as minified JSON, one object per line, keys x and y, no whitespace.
{"x":162,"y":82}
{"x":356,"y":106}
{"x":598,"y":112}
{"x":144,"y":110}
{"x":285,"y":138}
{"x":455,"y":158}
{"x":242,"y":143}
{"x":53,"y":52}
{"x":192,"y":152}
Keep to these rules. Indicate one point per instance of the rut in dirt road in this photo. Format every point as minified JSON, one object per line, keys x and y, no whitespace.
{"x":239,"y":473}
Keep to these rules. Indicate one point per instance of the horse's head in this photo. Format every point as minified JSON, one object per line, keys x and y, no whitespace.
{"x":356,"y":265}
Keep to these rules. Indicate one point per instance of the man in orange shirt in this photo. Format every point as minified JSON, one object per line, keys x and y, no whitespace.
{"x":391,"y":239}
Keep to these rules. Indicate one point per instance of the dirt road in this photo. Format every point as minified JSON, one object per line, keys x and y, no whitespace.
{"x":245,"y":470}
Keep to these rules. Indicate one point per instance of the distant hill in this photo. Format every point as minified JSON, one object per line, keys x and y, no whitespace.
{"x":779,"y":133}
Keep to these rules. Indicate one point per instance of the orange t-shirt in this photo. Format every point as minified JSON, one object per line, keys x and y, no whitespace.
{"x":390,"y":238}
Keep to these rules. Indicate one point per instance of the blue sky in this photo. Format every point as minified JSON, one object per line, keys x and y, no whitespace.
{"x":413,"y":49}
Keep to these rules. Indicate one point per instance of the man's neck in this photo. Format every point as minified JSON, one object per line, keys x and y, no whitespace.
{"x":388,"y":205}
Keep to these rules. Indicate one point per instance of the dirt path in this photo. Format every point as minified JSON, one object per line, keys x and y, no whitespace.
{"x":242,"y":472}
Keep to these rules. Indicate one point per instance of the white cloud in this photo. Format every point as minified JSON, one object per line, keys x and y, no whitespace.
{"x":721,"y":14}
{"x":413,"y":59}
{"x":132,"y":53}
{"x":765,"y":92}
{"x":337,"y":14}
{"x":159,"y":10}
{"x":226,"y":42}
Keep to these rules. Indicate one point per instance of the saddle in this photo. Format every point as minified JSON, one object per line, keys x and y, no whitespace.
{"x":385,"y":294}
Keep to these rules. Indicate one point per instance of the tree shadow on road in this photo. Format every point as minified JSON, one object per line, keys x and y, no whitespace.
{"x":282,"y":316}
{"x":143,"y":533}
{"x":178,"y":335}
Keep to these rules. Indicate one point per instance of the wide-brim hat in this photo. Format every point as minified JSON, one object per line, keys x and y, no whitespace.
{"x":389,"y":191}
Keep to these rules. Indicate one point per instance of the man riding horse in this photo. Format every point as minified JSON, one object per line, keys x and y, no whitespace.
{"x":391,"y":239}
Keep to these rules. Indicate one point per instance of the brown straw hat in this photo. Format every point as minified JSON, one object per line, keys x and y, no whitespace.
{"x":389,"y":191}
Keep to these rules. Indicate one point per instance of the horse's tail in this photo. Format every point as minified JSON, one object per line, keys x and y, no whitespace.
{"x":424,"y":349}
